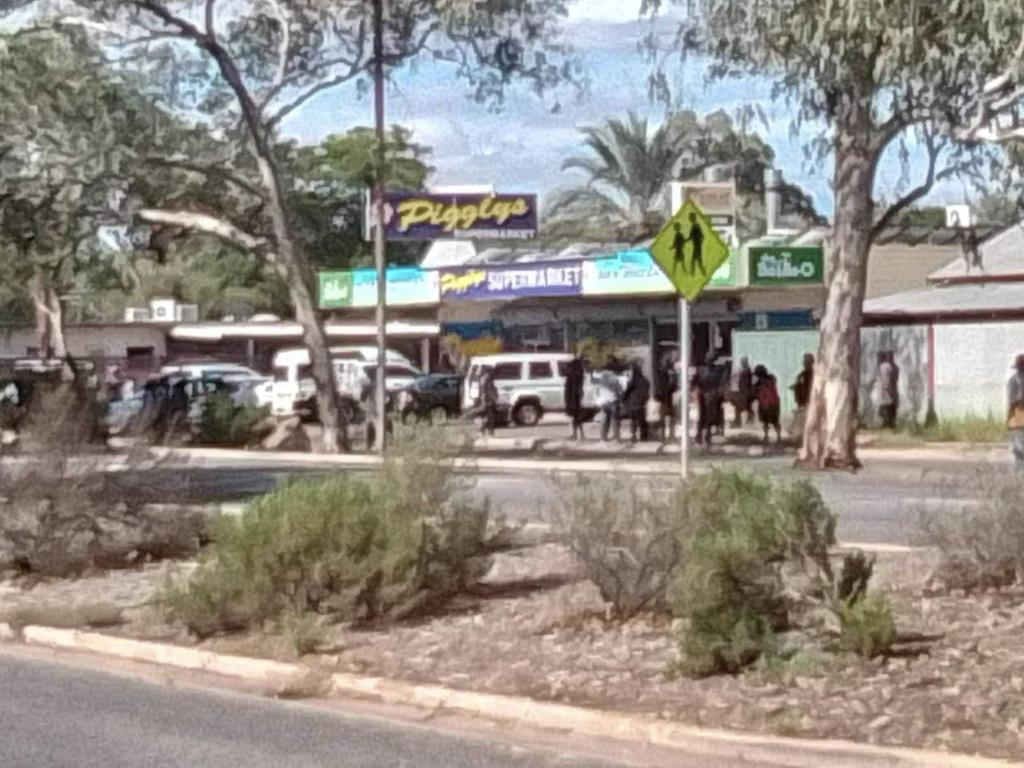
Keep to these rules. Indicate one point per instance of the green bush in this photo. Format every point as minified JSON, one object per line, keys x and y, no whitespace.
{"x":391,"y":544}
{"x":866,"y":626}
{"x":302,"y":631}
{"x":224,"y":422}
{"x":626,"y":536}
{"x":739,"y":532}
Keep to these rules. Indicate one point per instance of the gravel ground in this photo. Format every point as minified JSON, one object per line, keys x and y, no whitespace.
{"x":956,"y":681}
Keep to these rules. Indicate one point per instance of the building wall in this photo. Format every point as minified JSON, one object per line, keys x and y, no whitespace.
{"x":973,"y":362}
{"x":100,"y":340}
{"x":781,"y":352}
{"x":910,"y":343}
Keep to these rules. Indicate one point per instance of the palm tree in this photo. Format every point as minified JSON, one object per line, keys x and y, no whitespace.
{"x":630,"y":165}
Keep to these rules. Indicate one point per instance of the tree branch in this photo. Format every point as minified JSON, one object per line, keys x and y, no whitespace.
{"x":209,"y":171}
{"x":934,"y":150}
{"x":205,"y":224}
{"x":210,"y":18}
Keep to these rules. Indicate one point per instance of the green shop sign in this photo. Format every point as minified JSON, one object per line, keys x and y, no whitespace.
{"x":336,"y":290}
{"x":785,"y":265}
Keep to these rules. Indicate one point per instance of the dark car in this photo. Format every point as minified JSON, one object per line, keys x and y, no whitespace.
{"x":434,"y":397}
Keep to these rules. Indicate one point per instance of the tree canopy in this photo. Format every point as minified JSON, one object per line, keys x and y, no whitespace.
{"x":630,"y":164}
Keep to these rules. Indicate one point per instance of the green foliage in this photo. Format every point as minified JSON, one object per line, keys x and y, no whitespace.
{"x":224,"y":422}
{"x":303,"y":631}
{"x":630,"y":165}
{"x":866,"y":626}
{"x":740,"y":530}
{"x":389,"y":545}
{"x":331,"y":180}
{"x":626,"y":536}
{"x":964,"y":429}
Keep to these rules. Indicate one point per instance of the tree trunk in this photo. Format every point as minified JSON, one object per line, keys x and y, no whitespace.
{"x":831,"y":428}
{"x":49,"y":316}
{"x":300,"y":280}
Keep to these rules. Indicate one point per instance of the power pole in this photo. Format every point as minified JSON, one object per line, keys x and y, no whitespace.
{"x":379,"y":245}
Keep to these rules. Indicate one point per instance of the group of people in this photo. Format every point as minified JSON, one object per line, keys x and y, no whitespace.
{"x":624,"y":393}
{"x":634,"y":400}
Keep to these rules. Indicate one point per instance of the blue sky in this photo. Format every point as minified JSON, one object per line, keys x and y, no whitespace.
{"x":522,"y":147}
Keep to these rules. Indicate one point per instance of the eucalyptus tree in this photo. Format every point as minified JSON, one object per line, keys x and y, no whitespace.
{"x":247,"y":66}
{"x":946,"y":76}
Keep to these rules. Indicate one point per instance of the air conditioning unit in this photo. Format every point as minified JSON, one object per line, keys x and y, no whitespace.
{"x":162,"y":310}
{"x":136,"y":315}
{"x":186,"y":313}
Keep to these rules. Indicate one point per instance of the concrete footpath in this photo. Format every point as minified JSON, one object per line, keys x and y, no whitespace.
{"x":716,"y":746}
{"x":517,"y":455}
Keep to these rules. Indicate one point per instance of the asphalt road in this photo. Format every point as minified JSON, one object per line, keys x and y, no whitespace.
{"x":58,"y":716}
{"x":875,"y":508}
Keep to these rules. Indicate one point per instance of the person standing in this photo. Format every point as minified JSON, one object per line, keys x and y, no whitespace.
{"x":665,"y":385}
{"x":743,"y":402}
{"x":768,"y":404}
{"x":574,"y":375}
{"x":888,"y":389}
{"x":488,"y":401}
{"x":804,"y":382}
{"x":1015,"y":412}
{"x":634,"y":402}
{"x":608,"y":398}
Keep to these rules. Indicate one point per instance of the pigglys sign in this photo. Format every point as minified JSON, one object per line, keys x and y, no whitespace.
{"x":423,"y":216}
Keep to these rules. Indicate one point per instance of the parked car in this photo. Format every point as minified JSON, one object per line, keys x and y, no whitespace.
{"x":529,"y":384}
{"x":434,"y":397}
{"x":293,"y":376}
{"x":170,"y":397}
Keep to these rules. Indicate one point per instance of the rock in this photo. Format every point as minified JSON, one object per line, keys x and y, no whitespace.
{"x":288,"y":435}
{"x":8,"y":437}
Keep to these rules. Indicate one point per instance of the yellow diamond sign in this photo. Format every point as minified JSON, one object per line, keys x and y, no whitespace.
{"x":689,"y":251}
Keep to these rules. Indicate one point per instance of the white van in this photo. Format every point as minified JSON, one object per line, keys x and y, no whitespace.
{"x":293,"y":379}
{"x":529,"y":383}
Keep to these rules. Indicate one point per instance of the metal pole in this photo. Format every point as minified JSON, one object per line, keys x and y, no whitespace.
{"x":379,"y":255}
{"x":684,"y":386}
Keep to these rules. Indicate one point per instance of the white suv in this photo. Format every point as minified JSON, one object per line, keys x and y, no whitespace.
{"x":529,"y":384}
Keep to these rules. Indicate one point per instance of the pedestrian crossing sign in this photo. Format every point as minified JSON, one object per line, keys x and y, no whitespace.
{"x":689,"y":250}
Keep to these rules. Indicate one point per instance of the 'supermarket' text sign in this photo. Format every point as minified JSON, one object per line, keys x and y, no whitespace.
{"x":515,"y":281}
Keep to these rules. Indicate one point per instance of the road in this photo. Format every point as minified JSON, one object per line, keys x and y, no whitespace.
{"x":53,"y":715}
{"x":873,"y":508}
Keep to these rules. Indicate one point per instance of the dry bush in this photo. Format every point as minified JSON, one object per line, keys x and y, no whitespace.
{"x":980,"y":545}
{"x":62,"y":515}
{"x":627,"y":537}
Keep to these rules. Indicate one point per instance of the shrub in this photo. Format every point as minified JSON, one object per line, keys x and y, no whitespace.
{"x":739,"y":532}
{"x":302,"y":631}
{"x":627,"y":538}
{"x":224,"y":422}
{"x":866,"y":626}
{"x":980,"y":544}
{"x":391,"y":544}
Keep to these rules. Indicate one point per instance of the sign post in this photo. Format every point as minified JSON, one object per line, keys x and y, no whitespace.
{"x":684,"y":386}
{"x":689,"y":251}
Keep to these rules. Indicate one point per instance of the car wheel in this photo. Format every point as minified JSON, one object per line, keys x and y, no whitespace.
{"x":438,"y":414}
{"x":527,"y":414}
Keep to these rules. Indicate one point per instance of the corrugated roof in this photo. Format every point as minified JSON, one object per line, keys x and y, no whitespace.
{"x":1002,"y":255}
{"x":950,"y":301}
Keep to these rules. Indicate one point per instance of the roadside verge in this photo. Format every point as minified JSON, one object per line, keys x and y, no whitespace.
{"x":716,"y":745}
